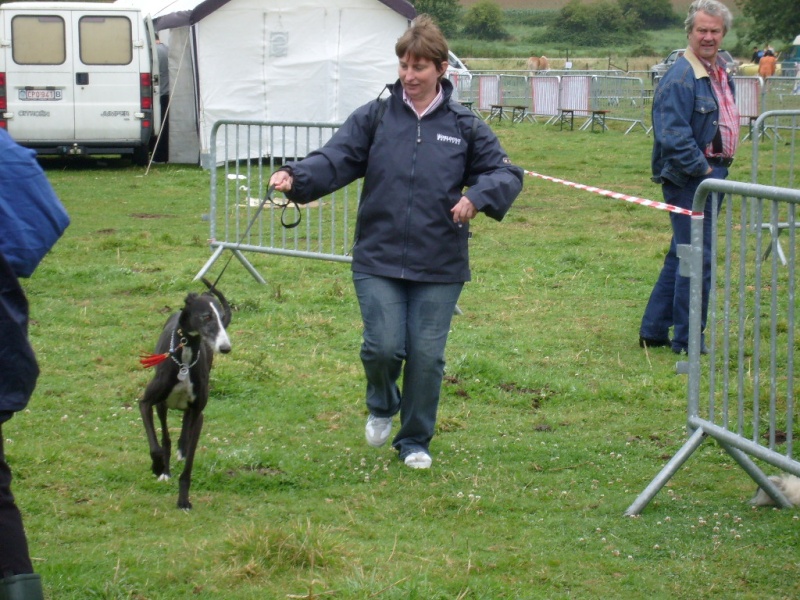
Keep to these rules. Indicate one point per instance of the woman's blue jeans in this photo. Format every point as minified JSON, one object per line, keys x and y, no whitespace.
{"x":669,"y":301}
{"x":405,"y":331}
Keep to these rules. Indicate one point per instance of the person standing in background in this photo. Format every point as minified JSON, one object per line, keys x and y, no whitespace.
{"x":695,"y":135}
{"x":161,"y":151}
{"x":766,"y":66}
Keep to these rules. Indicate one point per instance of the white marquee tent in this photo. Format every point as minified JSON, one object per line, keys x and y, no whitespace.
{"x":272,"y":60}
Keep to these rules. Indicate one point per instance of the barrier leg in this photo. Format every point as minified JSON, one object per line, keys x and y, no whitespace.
{"x":247,"y":265}
{"x":666,"y":473}
{"x":209,"y":262}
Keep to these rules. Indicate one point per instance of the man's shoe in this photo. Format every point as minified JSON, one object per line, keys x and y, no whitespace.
{"x":419,"y":460}
{"x":378,"y":430}
{"x":653,"y":343}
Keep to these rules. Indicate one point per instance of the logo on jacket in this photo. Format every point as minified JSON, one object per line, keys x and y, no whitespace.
{"x":448,"y":138}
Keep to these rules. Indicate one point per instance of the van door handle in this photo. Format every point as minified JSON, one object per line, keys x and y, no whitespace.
{"x":81,"y":79}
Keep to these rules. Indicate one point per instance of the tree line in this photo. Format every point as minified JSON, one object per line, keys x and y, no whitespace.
{"x":608,"y":21}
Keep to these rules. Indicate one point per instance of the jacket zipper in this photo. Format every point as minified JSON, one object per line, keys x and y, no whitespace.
{"x":409,"y":206}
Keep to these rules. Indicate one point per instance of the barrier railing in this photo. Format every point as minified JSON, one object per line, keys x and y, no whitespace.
{"x":626,"y":97}
{"x":742,"y":394}
{"x":545,"y":95}
{"x":246,"y":153}
{"x":775,"y":142}
{"x":489,"y":91}
{"x":623,"y":97}
{"x":780,"y":93}
{"x":748,"y":99}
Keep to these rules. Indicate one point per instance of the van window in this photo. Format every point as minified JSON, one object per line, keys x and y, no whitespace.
{"x":105,"y":40}
{"x":38,"y":40}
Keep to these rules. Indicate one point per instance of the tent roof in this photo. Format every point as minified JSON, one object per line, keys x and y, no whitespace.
{"x":181,"y":13}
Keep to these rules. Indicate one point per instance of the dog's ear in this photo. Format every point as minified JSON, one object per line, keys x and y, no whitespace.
{"x":190,"y":298}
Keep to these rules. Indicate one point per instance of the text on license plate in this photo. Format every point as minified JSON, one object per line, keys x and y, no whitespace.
{"x":40,"y":95}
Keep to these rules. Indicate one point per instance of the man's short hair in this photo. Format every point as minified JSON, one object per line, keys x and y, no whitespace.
{"x":710,"y":7}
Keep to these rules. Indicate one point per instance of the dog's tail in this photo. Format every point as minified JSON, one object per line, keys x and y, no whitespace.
{"x":226,"y":317}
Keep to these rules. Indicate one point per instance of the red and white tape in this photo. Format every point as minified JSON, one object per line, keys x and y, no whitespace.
{"x":618,"y":196}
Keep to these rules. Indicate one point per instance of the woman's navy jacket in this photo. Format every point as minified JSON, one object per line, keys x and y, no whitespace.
{"x":414,"y":171}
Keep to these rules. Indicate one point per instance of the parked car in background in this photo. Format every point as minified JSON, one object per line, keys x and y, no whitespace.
{"x":459,"y":75}
{"x":658,"y":70}
{"x":456,"y":67}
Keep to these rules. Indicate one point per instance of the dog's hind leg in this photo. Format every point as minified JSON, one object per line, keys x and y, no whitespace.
{"x":192,"y":426}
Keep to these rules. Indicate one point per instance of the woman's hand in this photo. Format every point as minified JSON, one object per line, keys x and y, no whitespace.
{"x":464,"y":211}
{"x":282,"y":181}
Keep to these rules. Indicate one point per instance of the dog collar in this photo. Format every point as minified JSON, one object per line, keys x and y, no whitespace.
{"x":183,"y":372}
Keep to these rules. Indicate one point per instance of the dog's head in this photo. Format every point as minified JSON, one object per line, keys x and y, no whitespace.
{"x":203,"y":316}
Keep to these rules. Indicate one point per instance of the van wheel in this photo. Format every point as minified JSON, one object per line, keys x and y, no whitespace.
{"x":140,"y":156}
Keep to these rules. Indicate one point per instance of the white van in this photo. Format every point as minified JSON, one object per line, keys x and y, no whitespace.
{"x":456,"y":67}
{"x":76,"y":78}
{"x":460,"y":77}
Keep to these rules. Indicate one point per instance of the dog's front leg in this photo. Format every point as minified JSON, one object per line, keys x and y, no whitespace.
{"x":186,"y":427}
{"x":166,"y":444}
{"x":156,"y":453}
{"x":192,"y":426}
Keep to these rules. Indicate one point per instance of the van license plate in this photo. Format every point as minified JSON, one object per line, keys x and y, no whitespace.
{"x":40,"y":95}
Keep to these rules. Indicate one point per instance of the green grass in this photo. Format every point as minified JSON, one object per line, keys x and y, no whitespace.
{"x":552,"y":419}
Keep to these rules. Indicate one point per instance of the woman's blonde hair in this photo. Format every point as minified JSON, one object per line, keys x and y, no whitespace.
{"x":423,"y":39}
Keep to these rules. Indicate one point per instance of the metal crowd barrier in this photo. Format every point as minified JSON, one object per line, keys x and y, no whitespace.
{"x":545,"y":96}
{"x":551,"y":95}
{"x":781,"y":93}
{"x":748,"y":100}
{"x":742,"y":394}
{"x":774,"y":162}
{"x":623,"y":97}
{"x":245,"y":155}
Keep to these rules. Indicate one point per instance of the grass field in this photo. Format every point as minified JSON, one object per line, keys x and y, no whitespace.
{"x":637,"y":54}
{"x":552,"y":420}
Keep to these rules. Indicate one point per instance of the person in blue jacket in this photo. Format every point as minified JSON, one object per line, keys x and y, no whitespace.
{"x":18,"y":373}
{"x":695,"y":137}
{"x":22,"y":183}
{"x":429,"y":167}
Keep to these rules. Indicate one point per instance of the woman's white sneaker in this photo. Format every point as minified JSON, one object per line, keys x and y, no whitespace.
{"x":378,"y":430}
{"x":419,"y":460}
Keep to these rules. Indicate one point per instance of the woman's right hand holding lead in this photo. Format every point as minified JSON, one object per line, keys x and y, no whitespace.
{"x":281,"y":181}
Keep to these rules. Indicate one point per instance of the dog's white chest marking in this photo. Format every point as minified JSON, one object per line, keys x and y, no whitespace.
{"x":182,"y":395}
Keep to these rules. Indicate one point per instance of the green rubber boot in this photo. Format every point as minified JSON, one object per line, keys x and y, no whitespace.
{"x":27,"y":586}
